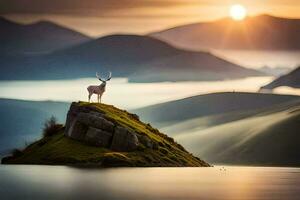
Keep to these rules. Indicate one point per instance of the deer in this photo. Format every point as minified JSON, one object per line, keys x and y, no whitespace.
{"x":98,"y":89}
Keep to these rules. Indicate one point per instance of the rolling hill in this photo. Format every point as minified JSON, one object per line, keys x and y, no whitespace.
{"x":222,"y":107}
{"x":270,"y":138}
{"x":233,"y":128}
{"x":291,"y":79}
{"x":36,"y":38}
{"x":141,"y":58}
{"x":263,"y":32}
{"x":22,"y":121}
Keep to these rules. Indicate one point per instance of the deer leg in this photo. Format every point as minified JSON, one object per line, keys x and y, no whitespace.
{"x":90,"y":97}
{"x":98,"y":97}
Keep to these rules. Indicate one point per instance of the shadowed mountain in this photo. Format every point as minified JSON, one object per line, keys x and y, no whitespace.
{"x":261,"y":32}
{"x":291,"y":79}
{"x":40,"y":37}
{"x":141,"y":58}
{"x":223,"y":107}
{"x":22,"y":121}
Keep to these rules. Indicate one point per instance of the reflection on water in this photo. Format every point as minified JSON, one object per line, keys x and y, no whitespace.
{"x":121,"y":93}
{"x":240,"y":183}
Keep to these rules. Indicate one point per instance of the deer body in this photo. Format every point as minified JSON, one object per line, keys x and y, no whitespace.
{"x":98,"y":89}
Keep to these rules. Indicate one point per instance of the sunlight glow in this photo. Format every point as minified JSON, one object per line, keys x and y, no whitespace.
{"x":238,"y":12}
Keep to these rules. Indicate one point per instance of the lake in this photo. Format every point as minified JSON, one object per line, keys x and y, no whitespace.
{"x":127,"y":95}
{"x":233,"y":183}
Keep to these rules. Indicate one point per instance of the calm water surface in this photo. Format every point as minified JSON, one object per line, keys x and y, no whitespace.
{"x":233,"y":183}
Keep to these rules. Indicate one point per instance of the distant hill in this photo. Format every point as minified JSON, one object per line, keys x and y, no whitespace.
{"x":36,"y":38}
{"x":261,"y":32}
{"x":236,"y":104}
{"x":270,"y":138}
{"x":233,"y":128}
{"x":141,"y":58}
{"x":291,"y":79}
{"x":22,"y":121}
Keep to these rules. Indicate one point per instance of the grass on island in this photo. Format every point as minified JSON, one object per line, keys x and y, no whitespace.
{"x":57,"y":149}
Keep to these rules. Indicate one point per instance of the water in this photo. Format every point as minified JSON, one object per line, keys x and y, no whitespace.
{"x":59,"y":182}
{"x":127,"y":95}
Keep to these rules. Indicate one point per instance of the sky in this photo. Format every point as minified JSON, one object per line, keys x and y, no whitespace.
{"x":101,"y":17}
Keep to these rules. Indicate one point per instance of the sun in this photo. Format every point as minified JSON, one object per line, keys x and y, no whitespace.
{"x":238,"y":12}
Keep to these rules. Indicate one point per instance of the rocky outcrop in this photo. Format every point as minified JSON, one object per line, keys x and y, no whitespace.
{"x":89,"y":125}
{"x":100,"y":135}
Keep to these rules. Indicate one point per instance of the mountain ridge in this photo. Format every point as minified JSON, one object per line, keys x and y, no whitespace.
{"x":282,"y":34}
{"x":36,"y":38}
{"x":125,"y":56}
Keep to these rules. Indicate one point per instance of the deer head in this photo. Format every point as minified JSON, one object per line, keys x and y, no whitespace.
{"x":103,"y":80}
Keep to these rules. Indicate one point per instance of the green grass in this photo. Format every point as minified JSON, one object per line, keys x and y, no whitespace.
{"x":58,"y":149}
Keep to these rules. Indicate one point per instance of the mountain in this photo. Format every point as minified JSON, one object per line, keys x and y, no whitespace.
{"x":223,"y":107}
{"x":141,"y":58}
{"x":101,"y":135}
{"x":270,"y":138}
{"x":22,"y":121}
{"x":291,"y":79}
{"x":261,"y":32}
{"x":36,"y":38}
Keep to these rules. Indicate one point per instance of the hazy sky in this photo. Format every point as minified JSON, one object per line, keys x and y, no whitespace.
{"x":99,"y":17}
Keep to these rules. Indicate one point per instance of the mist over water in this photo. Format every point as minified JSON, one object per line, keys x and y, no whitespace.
{"x":127,"y":95}
{"x":257,"y":59}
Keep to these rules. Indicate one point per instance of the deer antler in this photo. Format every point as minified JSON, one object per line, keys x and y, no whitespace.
{"x":98,"y":77}
{"x":109,"y":77}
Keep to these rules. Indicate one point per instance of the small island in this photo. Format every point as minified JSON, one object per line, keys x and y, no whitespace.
{"x":99,"y":135}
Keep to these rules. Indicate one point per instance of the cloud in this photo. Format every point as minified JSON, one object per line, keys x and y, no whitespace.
{"x":86,"y":7}
{"x":109,"y":8}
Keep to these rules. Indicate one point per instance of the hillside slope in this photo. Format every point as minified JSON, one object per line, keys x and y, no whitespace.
{"x":103,"y":136}
{"x":270,"y":138}
{"x":291,"y":79}
{"x":263,"y":32}
{"x":227,"y":106}
{"x":141,"y":58}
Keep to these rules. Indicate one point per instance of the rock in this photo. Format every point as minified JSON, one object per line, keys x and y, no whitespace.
{"x":96,"y":121}
{"x":75,"y":110}
{"x":98,"y":137}
{"x":124,"y":140}
{"x":86,"y":124}
{"x":77,"y":130}
{"x":145,"y":140}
